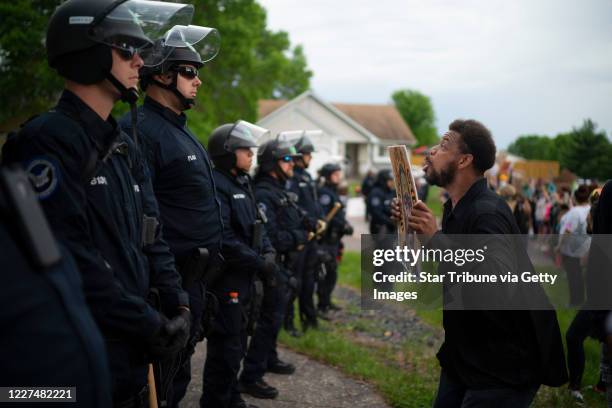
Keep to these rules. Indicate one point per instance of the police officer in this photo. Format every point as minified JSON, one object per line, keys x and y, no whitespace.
{"x":49,"y":337}
{"x":95,"y":188}
{"x":305,"y":187}
{"x":379,"y":204}
{"x":247,"y":250}
{"x":382,"y":226}
{"x":181,"y":172}
{"x":338,"y":226}
{"x":286,"y":231}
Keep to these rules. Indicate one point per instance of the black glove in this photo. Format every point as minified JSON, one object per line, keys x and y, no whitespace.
{"x":269,"y":271}
{"x":292,"y":282}
{"x":324,"y":256}
{"x":172,"y":335}
{"x":348,"y":229}
{"x":310,"y":223}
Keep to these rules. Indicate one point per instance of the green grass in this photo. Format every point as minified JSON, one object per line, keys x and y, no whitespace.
{"x":408,"y":378}
{"x":400,"y":387}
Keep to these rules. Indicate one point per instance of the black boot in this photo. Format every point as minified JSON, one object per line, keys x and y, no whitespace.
{"x":280,"y":367}
{"x":258,"y":389}
{"x":292,"y":331}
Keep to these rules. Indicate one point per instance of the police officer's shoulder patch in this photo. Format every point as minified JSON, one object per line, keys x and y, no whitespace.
{"x":44,"y":176}
{"x":375,"y":201}
{"x":325,"y":199}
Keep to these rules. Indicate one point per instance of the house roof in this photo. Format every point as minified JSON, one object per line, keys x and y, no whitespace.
{"x":384,"y":121}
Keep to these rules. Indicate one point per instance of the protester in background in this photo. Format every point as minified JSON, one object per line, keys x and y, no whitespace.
{"x":574,"y":244}
{"x":519,"y":207}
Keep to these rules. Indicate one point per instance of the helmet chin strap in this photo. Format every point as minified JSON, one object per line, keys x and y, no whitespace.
{"x":186,"y":103}
{"x":129,"y":95}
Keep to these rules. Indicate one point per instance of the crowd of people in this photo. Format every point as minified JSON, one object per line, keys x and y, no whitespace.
{"x":126,"y":243}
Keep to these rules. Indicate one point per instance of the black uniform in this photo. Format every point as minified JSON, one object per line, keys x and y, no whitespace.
{"x":304,"y":186}
{"x":330,"y":242}
{"x":226,"y":344}
{"x":95,"y":191}
{"x":181,"y":173}
{"x":379,"y":207}
{"x":49,"y":338}
{"x":286,"y":231}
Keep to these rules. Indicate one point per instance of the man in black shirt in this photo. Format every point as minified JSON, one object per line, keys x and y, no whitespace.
{"x":489,"y":357}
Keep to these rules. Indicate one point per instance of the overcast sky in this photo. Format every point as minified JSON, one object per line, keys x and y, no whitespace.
{"x":519,"y":66}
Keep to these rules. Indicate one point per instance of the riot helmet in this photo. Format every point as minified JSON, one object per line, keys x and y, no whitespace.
{"x":226,"y":139}
{"x":190,"y":45}
{"x":271,"y":152}
{"x":383,"y":177}
{"x":328,"y":169}
{"x":81,"y":33}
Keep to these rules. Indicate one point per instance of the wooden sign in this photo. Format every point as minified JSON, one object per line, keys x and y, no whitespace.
{"x":405,"y":190}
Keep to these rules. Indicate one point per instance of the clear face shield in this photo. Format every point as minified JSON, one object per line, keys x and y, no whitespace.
{"x":299,"y":137}
{"x":205,"y":41}
{"x":245,"y":134}
{"x":134,"y":25}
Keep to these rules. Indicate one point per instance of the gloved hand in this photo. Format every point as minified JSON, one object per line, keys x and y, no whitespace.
{"x":324,"y":256}
{"x":269,"y":270}
{"x":171,"y":336}
{"x":292,"y":282}
{"x":310,"y":223}
{"x":321,"y":225}
{"x":348,"y":229}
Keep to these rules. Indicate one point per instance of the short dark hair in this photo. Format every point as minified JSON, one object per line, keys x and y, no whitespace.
{"x":476,"y":140}
{"x":582,"y":194}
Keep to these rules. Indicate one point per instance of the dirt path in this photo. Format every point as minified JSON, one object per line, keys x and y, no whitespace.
{"x":314,"y":385}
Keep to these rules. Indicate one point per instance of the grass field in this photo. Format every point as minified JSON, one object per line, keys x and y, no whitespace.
{"x":408,"y":378}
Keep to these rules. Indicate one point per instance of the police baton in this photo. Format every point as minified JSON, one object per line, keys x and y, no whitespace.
{"x":152,"y":389}
{"x":331,"y":214}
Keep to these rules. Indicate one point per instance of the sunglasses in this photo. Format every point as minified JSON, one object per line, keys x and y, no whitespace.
{"x":187,"y":72}
{"x":126,"y":51}
{"x":287,"y":159}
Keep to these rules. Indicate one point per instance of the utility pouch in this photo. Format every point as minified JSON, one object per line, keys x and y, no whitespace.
{"x":149,"y":230}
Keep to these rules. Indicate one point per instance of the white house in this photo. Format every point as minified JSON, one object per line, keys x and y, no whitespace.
{"x":356,"y":135}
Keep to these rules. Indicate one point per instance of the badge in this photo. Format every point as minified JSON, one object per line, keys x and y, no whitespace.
{"x":375,"y":201}
{"x":325,"y":199}
{"x":44,"y":176}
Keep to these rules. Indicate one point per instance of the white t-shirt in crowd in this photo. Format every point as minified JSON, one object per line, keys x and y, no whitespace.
{"x":574,"y":222}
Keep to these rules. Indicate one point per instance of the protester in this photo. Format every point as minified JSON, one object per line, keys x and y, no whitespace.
{"x":474,"y":372}
{"x":574,"y":244}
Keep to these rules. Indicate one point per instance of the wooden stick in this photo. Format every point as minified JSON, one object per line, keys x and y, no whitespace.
{"x":152,"y":389}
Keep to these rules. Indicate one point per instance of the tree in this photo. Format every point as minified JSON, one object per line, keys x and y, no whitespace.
{"x":587,"y":152}
{"x":254,"y":63}
{"x":534,"y":147}
{"x":418,"y":113}
{"x":27,"y":83}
